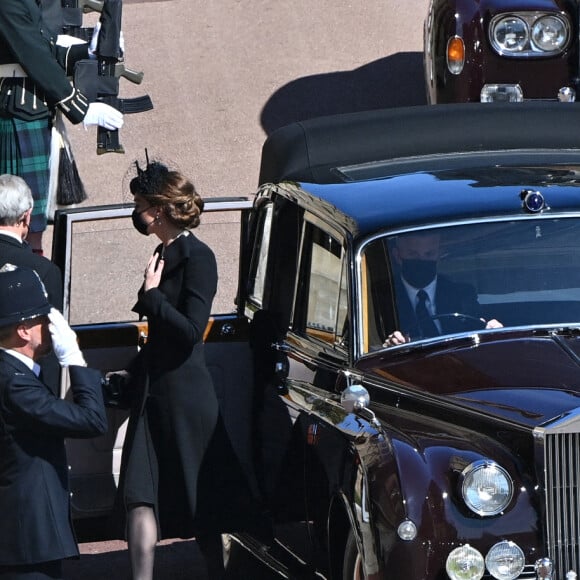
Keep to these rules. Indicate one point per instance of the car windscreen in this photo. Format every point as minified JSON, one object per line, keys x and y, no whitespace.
{"x":465,"y":277}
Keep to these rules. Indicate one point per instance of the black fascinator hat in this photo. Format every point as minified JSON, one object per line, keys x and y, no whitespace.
{"x":151,"y":179}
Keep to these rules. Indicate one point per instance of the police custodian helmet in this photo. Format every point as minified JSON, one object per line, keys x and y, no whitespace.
{"x":22,"y":295}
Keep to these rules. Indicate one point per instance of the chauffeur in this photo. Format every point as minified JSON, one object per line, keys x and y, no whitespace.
{"x":34,"y":63}
{"x":35,"y":528}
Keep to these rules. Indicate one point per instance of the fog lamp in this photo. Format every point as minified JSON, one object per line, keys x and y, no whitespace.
{"x":501,"y":93}
{"x":465,"y":563}
{"x":407,"y":530}
{"x":505,"y":561}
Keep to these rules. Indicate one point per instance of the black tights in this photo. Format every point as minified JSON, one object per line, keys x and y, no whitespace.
{"x":142,"y":539}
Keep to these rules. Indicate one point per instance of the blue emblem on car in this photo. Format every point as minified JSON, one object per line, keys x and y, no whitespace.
{"x":533,"y":201}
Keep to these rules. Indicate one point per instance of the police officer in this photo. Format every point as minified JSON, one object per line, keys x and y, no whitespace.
{"x":35,"y":527}
{"x":16,"y":205}
{"x":34,"y":64}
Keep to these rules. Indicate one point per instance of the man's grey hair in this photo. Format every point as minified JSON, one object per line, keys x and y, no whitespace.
{"x":15,"y":199}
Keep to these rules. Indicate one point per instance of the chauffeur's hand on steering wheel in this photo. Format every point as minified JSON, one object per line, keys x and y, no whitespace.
{"x":395,"y":338}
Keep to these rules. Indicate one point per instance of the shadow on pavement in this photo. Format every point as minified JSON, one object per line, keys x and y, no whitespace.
{"x":174,"y":560}
{"x":393,"y":81}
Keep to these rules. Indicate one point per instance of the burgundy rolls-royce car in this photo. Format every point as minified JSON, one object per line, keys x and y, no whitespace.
{"x":501,"y":50}
{"x":400,"y":368}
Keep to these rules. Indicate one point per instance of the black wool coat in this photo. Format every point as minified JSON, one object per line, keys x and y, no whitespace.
{"x":34,"y":496}
{"x":175,"y":411}
{"x":20,"y":254}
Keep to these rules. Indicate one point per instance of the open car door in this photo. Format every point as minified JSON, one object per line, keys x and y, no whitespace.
{"x":102,"y":259}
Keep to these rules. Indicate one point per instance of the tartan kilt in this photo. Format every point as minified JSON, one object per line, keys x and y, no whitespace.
{"x":25,"y":151}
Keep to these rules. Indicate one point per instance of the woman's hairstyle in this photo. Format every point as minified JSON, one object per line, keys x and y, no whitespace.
{"x":170,"y":191}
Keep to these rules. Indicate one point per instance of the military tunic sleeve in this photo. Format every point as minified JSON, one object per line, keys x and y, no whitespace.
{"x":25,"y":40}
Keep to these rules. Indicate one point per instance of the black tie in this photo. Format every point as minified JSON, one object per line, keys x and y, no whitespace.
{"x":426,"y":324}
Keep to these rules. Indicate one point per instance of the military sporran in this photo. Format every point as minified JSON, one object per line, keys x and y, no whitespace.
{"x":66,"y":187}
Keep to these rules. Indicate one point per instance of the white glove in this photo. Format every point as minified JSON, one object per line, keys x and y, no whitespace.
{"x":66,"y":40}
{"x":95,"y":40}
{"x":64,"y":341}
{"x":103,"y":115}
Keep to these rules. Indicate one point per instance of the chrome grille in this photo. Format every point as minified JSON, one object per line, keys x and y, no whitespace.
{"x":562,"y":484}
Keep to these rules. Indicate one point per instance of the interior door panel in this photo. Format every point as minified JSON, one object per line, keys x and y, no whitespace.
{"x":99,"y":294}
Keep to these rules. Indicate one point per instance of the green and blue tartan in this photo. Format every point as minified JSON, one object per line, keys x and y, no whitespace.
{"x":25,"y":151}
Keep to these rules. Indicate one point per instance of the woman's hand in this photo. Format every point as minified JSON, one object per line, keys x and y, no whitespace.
{"x":153,"y":272}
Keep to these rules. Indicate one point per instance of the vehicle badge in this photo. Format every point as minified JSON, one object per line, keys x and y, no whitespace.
{"x":533,"y":201}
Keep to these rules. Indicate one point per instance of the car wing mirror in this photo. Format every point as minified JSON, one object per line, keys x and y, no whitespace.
{"x":356,"y":399}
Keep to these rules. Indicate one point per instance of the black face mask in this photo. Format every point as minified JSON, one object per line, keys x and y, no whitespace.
{"x":138,"y":223}
{"x":419,"y":273}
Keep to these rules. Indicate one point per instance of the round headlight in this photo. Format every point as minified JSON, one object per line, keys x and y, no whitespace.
{"x":486,"y":488}
{"x":510,"y":34}
{"x":465,"y":563}
{"x":550,"y":34}
{"x":505,"y":561}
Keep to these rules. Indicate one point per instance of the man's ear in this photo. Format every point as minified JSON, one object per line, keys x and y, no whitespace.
{"x":23,"y":331}
{"x":26,"y":217}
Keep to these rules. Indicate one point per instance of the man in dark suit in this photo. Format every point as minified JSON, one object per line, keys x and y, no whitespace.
{"x":35,"y":529}
{"x":429,"y":304}
{"x":16,"y":205}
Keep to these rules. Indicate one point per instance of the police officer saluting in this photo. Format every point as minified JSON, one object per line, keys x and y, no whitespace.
{"x":35,"y":527}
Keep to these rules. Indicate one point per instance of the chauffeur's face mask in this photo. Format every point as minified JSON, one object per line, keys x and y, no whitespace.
{"x":419,"y":273}
{"x":139,"y":223}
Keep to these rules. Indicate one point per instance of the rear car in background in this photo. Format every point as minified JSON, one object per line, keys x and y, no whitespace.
{"x":454,"y":455}
{"x":501,"y":50}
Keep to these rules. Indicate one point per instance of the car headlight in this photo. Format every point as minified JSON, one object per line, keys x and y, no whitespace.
{"x":465,"y":563}
{"x":510,"y":34}
{"x":486,"y":488}
{"x":505,"y":561}
{"x":524,"y":34}
{"x":549,"y":34}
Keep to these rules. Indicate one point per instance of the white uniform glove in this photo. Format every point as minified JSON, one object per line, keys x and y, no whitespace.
{"x":64,"y":341}
{"x":95,"y":41}
{"x":66,"y":40}
{"x":103,"y":115}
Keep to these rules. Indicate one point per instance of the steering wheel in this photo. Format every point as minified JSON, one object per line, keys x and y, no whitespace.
{"x":462,"y":317}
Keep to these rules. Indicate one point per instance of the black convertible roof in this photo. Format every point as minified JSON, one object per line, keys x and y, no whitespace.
{"x":311,"y":150}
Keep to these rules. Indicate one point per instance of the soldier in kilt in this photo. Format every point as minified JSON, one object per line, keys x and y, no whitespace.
{"x":35,"y":65}
{"x":25,"y":151}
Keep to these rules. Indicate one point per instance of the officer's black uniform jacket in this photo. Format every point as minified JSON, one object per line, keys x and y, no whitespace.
{"x":26,"y":39}
{"x":20,"y":254}
{"x":34,"y":497}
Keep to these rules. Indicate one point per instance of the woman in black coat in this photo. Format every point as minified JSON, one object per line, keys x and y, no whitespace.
{"x":176,"y":415}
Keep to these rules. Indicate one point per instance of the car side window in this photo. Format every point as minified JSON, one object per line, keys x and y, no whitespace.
{"x":324,"y":281}
{"x":259,"y":263}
